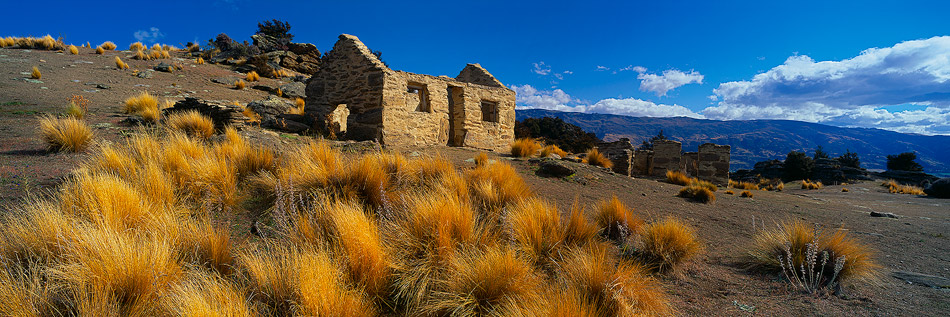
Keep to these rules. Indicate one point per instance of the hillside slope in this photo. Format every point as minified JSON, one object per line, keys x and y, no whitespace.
{"x":758,"y":140}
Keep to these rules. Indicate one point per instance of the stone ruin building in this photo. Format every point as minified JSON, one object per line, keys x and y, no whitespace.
{"x":361,"y":98}
{"x":710,"y":162}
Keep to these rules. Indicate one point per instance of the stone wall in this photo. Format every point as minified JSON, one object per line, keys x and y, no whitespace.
{"x":642,"y":163}
{"x":713,"y":163}
{"x":690,"y":163}
{"x":619,"y":152}
{"x":402,"y":108}
{"x":667,"y":155}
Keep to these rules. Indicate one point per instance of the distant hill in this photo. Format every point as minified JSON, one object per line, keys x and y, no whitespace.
{"x":758,"y":140}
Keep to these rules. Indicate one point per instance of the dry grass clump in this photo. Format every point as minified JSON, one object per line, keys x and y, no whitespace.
{"x":525,"y":147}
{"x":810,"y":256}
{"x":548,"y":150}
{"x":494,"y":186}
{"x":35,"y":74}
{"x":595,"y":158}
{"x":78,"y":107}
{"x":894,"y":188}
{"x":137,"y":46}
{"x":191,"y":122}
{"x":774,"y":184}
{"x":743,"y":185}
{"x":65,"y":134}
{"x":746,"y":194}
{"x":844,"y":190}
{"x":73,"y":50}
{"x":479,"y":283}
{"x":536,"y":229}
{"x":481,"y":159}
{"x":704,"y":184}
{"x":667,"y":244}
{"x":139,"y":103}
{"x":253,"y":76}
{"x":299,"y":107}
{"x":204,"y":294}
{"x":730,"y":192}
{"x":100,"y":50}
{"x":615,"y":220}
{"x":107,"y":45}
{"x":120,"y":64}
{"x":698,"y":193}
{"x":615,"y":288}
{"x":240,"y":84}
{"x":808,"y":184}
{"x":199,"y":60}
{"x":677,"y":178}
{"x":252,"y":117}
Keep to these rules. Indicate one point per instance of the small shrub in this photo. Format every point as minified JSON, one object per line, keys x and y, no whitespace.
{"x":844,"y":190}
{"x":526,"y":147}
{"x":299,"y":106}
{"x":253,"y":76}
{"x":191,"y":122}
{"x":677,"y":178}
{"x":240,"y":84}
{"x":697,"y":193}
{"x":729,"y":192}
{"x":107,"y":45}
{"x":667,"y":244}
{"x":73,"y":50}
{"x":746,"y":194}
{"x":595,"y":158}
{"x":552,"y":149}
{"x":77,"y":107}
{"x":36,"y":73}
{"x":66,"y":134}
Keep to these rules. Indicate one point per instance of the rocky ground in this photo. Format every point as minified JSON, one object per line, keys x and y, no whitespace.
{"x":718,"y":283}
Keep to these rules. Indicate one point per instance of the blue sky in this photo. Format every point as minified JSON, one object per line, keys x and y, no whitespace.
{"x":883,"y":64}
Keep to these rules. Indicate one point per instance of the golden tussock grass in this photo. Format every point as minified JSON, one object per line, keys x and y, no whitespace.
{"x":743,"y":185}
{"x":121,"y":65}
{"x":194,"y":48}
{"x":366,"y":259}
{"x":35,"y":74}
{"x":204,"y":294}
{"x":107,"y":45}
{"x":155,"y":54}
{"x":77,"y":107}
{"x":240,"y":84}
{"x":698,"y":193}
{"x":25,"y":292}
{"x":137,"y":46}
{"x":495,"y":186}
{"x":199,"y":60}
{"x":139,"y":55}
{"x":270,"y":275}
{"x":37,"y":231}
{"x":730,"y":192}
{"x":139,"y":102}
{"x":525,"y":147}
{"x":578,"y":230}
{"x":247,"y":159}
{"x":252,"y":76}
{"x":792,"y":238}
{"x":774,"y":184}
{"x":616,"y":288}
{"x":279,"y":93}
{"x":615,"y":220}
{"x":191,"y":122}
{"x":894,"y":188}
{"x":667,"y":244}
{"x":252,"y":117}
{"x":704,"y":184}
{"x":677,"y":178}
{"x":479,"y":283}
{"x":65,"y":134}
{"x":808,"y":184}
{"x":844,"y":190}
{"x":104,"y":200}
{"x":73,"y":50}
{"x":536,"y":230}
{"x":100,"y":50}
{"x":552,"y":149}
{"x":746,"y":194}
{"x":299,"y":106}
{"x":323,"y":291}
{"x":595,"y":158}
{"x":481,"y":159}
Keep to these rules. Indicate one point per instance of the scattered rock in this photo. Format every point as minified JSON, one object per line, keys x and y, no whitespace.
{"x":294,"y":90}
{"x":361,"y":146}
{"x":270,"y":108}
{"x":35,"y":81}
{"x":908,"y":177}
{"x":923,"y":279}
{"x":939,"y":188}
{"x":555,"y":168}
{"x":221,"y":112}
{"x":573,"y":158}
{"x":144,"y":74}
{"x":162,"y":67}
{"x":228,"y":81}
{"x":883,"y":214}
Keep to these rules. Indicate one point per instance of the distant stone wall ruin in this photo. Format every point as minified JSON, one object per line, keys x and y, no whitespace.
{"x":710,"y":162}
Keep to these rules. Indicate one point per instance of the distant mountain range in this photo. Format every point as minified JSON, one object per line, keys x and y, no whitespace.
{"x":758,"y":140}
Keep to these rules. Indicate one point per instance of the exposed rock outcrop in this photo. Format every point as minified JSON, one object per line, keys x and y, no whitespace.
{"x":222,"y":113}
{"x":939,"y":188}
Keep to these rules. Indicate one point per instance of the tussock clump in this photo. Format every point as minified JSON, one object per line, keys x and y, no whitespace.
{"x":615,"y":220}
{"x":743,"y":185}
{"x":615,"y":287}
{"x":65,"y":134}
{"x":536,"y":230}
{"x":199,"y":60}
{"x":36,"y":74}
{"x":137,"y":46}
{"x":894,"y":188}
{"x":677,"y":178}
{"x":595,"y":158}
{"x":252,"y":76}
{"x":548,"y":150}
{"x":698,"y":193}
{"x":479,"y":283}
{"x":73,"y":50}
{"x":140,"y":55}
{"x":299,"y":107}
{"x":808,"y":184}
{"x":191,"y":122}
{"x":495,"y":186}
{"x":100,"y":50}
{"x":140,"y":102}
{"x":774,"y":184}
{"x":107,"y":45}
{"x":526,"y":147}
{"x":38,"y":231}
{"x":704,"y":184}
{"x":799,"y":249}
{"x":120,"y":65}
{"x":25,"y":292}
{"x":729,"y":192}
{"x":240,"y":84}
{"x":323,"y":290}
{"x":844,"y":190}
{"x":481,"y":159}
{"x":667,"y":244}
{"x":204,"y":294}
{"x":746,"y":194}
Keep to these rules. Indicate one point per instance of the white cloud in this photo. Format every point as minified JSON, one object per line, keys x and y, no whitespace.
{"x":568,"y":72}
{"x":541,"y":69}
{"x":669,"y":80}
{"x":529,"y":97}
{"x":602,"y":68}
{"x":850,"y":92}
{"x":152,"y":35}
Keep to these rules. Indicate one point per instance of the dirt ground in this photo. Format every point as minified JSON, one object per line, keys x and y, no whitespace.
{"x":716,"y":284}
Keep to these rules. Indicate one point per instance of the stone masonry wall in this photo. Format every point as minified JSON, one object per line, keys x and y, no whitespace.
{"x":642,"y":163}
{"x":667,"y":155}
{"x":713,"y":163}
{"x":690,"y":164}
{"x":619,"y":152}
{"x":351,"y":75}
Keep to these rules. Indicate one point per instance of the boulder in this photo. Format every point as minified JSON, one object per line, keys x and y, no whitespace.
{"x":270,"y":108}
{"x":294,"y":90}
{"x":908,"y":177}
{"x":222,"y":113}
{"x":267,"y":43}
{"x":162,"y":67}
{"x":227,"y":81}
{"x":939,"y":188}
{"x":555,"y":168}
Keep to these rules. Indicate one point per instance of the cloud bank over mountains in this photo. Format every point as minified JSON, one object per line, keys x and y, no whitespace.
{"x":904,"y":88}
